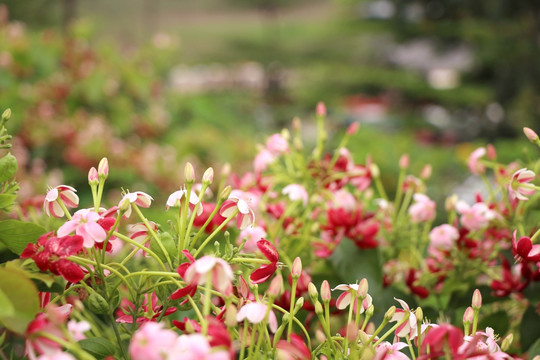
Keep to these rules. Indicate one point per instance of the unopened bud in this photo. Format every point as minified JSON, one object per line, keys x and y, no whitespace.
{"x":374,"y":170}
{"x":276,"y":286}
{"x":226,"y":170}
{"x":529,"y":133}
{"x":364,"y":338}
{"x":426,"y":172}
{"x":225,"y":193}
{"x":404,"y":161}
{"x":124,"y":205}
{"x":352,"y":331}
{"x":296,"y":269}
{"x":390,"y":313}
{"x":189,"y":327}
{"x":103,"y":168}
{"x":208,"y":176}
{"x":450,"y":202}
{"x":326,"y":294}
{"x":318,"y":308}
{"x":298,"y":305}
{"x":419,"y":313}
{"x":6,"y":114}
{"x":230,"y":316}
{"x":370,"y":310}
{"x":507,"y":342}
{"x":477,"y":300}
{"x":353,"y":128}
{"x":296,"y":124}
{"x":286,"y":134}
{"x":93,"y":178}
{"x":189,"y":173}
{"x":321,"y":109}
{"x":468,"y":316}
{"x":491,"y":152}
{"x":313,"y":293}
{"x":363,"y":288}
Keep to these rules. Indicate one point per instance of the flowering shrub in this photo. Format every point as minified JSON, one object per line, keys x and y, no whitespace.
{"x":305,"y":257}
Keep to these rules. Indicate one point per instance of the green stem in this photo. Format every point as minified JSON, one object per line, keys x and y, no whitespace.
{"x":292,"y":305}
{"x":392,"y":329}
{"x":153,"y":233}
{"x":140,"y":246}
{"x":215,"y":232}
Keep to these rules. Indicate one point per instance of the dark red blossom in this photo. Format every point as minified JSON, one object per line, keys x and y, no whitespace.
{"x":189,"y":289}
{"x":513,"y":279}
{"x":411,"y":281}
{"x":442,"y":337}
{"x":524,"y":250}
{"x":267,"y":270}
{"x":50,"y":253}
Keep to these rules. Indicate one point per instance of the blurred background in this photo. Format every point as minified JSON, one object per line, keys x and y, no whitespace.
{"x":151,"y":84}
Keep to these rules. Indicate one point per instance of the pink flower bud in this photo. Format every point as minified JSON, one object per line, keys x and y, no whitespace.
{"x":276,"y":286}
{"x":93,"y":177}
{"x":468,"y":316}
{"x":477,"y":300}
{"x":363,"y":288}
{"x":189,"y":173}
{"x":296,"y":269}
{"x":491,"y":152}
{"x":208,"y":176}
{"x":404,"y":161}
{"x":103,"y":167}
{"x":530,"y":134}
{"x":226,"y":170}
{"x":321,"y":109}
{"x":312,"y":291}
{"x":326,"y":295}
{"x":426,"y":172}
{"x":353,"y":128}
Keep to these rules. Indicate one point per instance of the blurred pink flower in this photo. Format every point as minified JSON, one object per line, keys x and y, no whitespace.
{"x":220,"y":270}
{"x":57,"y":355}
{"x":245,"y":216}
{"x":296,"y":349}
{"x":524,"y":250}
{"x":84,"y":223}
{"x":138,"y":198}
{"x":50,"y":321}
{"x":408,"y":328}
{"x":77,"y":329}
{"x":255,"y":312}
{"x":277,"y":144}
{"x":475,"y":166}
{"x":423,"y":209}
{"x":262,"y":160}
{"x":443,"y":237}
{"x":195,"y":346}
{"x":252,"y":235}
{"x":475,"y":217}
{"x":152,"y":342}
{"x":296,"y":192}
{"x":64,"y":193}
{"x":387,"y":351}
{"x":519,"y":186}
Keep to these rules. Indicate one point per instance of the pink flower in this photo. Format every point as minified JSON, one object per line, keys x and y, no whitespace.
{"x":152,"y":342}
{"x":220,"y":272}
{"x":277,"y":144}
{"x":57,"y":355}
{"x":408,"y":328}
{"x":84,"y":223}
{"x":387,"y":351}
{"x":524,"y":250}
{"x":262,"y":160}
{"x":423,"y":209}
{"x":63,"y":193}
{"x":251,"y":235}
{"x":443,"y":237}
{"x":345,"y":298}
{"x":475,"y":166}
{"x":475,"y":217}
{"x":138,"y":198}
{"x":195,"y":346}
{"x":175,"y":198}
{"x":296,"y":193}
{"x":519,"y":186}
{"x":50,"y":321}
{"x":255,"y":313}
{"x":267,"y":270}
{"x":245,"y":216}
{"x":139,"y":233}
{"x":296,"y":349}
{"x":77,"y":329}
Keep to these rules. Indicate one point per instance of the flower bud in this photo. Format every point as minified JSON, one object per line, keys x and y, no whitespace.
{"x":468,"y":316}
{"x":390,"y":313}
{"x":363,"y":288}
{"x":318,"y":308}
{"x":477,"y":300}
{"x":296,"y":269}
{"x":93,"y":178}
{"x":208,"y":176}
{"x":6,"y":114}
{"x":225,"y":193}
{"x":491,"y":152}
{"x":189,"y":173}
{"x":507,"y":342}
{"x":103,"y":168}
{"x":353,"y":128}
{"x":189,"y":328}
{"x":226,"y":170}
{"x":404,"y":161}
{"x":230,"y":316}
{"x":326,"y":294}
{"x":296,"y":124}
{"x":369,"y":311}
{"x":124,"y":205}
{"x":352,"y":331}
{"x":364,"y":338}
{"x":426,"y":172}
{"x":313,"y":293}
{"x":374,"y":170}
{"x":286,"y":134}
{"x":529,"y":133}
{"x":450,"y":202}
{"x":321,"y":109}
{"x":419,"y":313}
{"x":276,"y":286}
{"x":298,"y":305}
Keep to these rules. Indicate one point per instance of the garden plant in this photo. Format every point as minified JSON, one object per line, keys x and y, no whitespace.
{"x":307,"y":256}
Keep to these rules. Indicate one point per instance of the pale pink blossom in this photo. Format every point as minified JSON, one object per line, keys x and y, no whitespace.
{"x":251,"y":235}
{"x":50,"y":321}
{"x":423,"y":209}
{"x":84,"y":223}
{"x":296,"y":192}
{"x":262,"y":160}
{"x":343,"y":199}
{"x":277,"y":144}
{"x":77,"y":329}
{"x":220,"y":272}
{"x":152,"y":342}
{"x":139,"y":233}
{"x":64,"y":193}
{"x":138,"y":198}
{"x":408,"y":328}
{"x":443,"y":237}
{"x":57,"y":355}
{"x":245,"y":216}
{"x":519,"y":186}
{"x":474,"y":163}
{"x":345,"y":298}
{"x":175,"y":200}
{"x":387,"y":351}
{"x":195,"y":346}
{"x":475,"y":217}
{"x":255,"y":313}
{"x":321,"y":109}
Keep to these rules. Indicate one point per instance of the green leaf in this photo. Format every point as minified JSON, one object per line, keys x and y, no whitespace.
{"x":98,"y":347}
{"x":534,"y":350}
{"x":6,"y":307}
{"x":167,"y":242}
{"x":498,"y":321}
{"x":21,"y":292}
{"x":6,"y":201}
{"x":17,"y":234}
{"x":8,"y":167}
{"x":529,"y":329}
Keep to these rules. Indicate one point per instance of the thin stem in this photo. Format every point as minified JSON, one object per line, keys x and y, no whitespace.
{"x":153,"y":233}
{"x":216,"y":231}
{"x":140,"y":246}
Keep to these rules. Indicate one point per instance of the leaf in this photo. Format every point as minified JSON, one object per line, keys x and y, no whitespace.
{"x":6,"y":307}
{"x":6,"y":201}
{"x":167,"y":242}
{"x":529,"y":329}
{"x":498,"y":321}
{"x":98,"y":347}
{"x":17,"y":234}
{"x":8,"y":167}
{"x":534,"y":350}
{"x":23,"y":295}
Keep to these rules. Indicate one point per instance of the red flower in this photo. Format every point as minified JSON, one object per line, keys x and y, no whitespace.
{"x":524,"y":250}
{"x":265,"y":271}
{"x":440,"y":337}
{"x":51,"y":252}
{"x":189,"y":289}
{"x":296,"y":349}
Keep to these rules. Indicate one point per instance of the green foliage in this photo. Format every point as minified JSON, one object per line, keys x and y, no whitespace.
{"x":100,"y":348}
{"x":18,"y":300}
{"x":16,"y":234}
